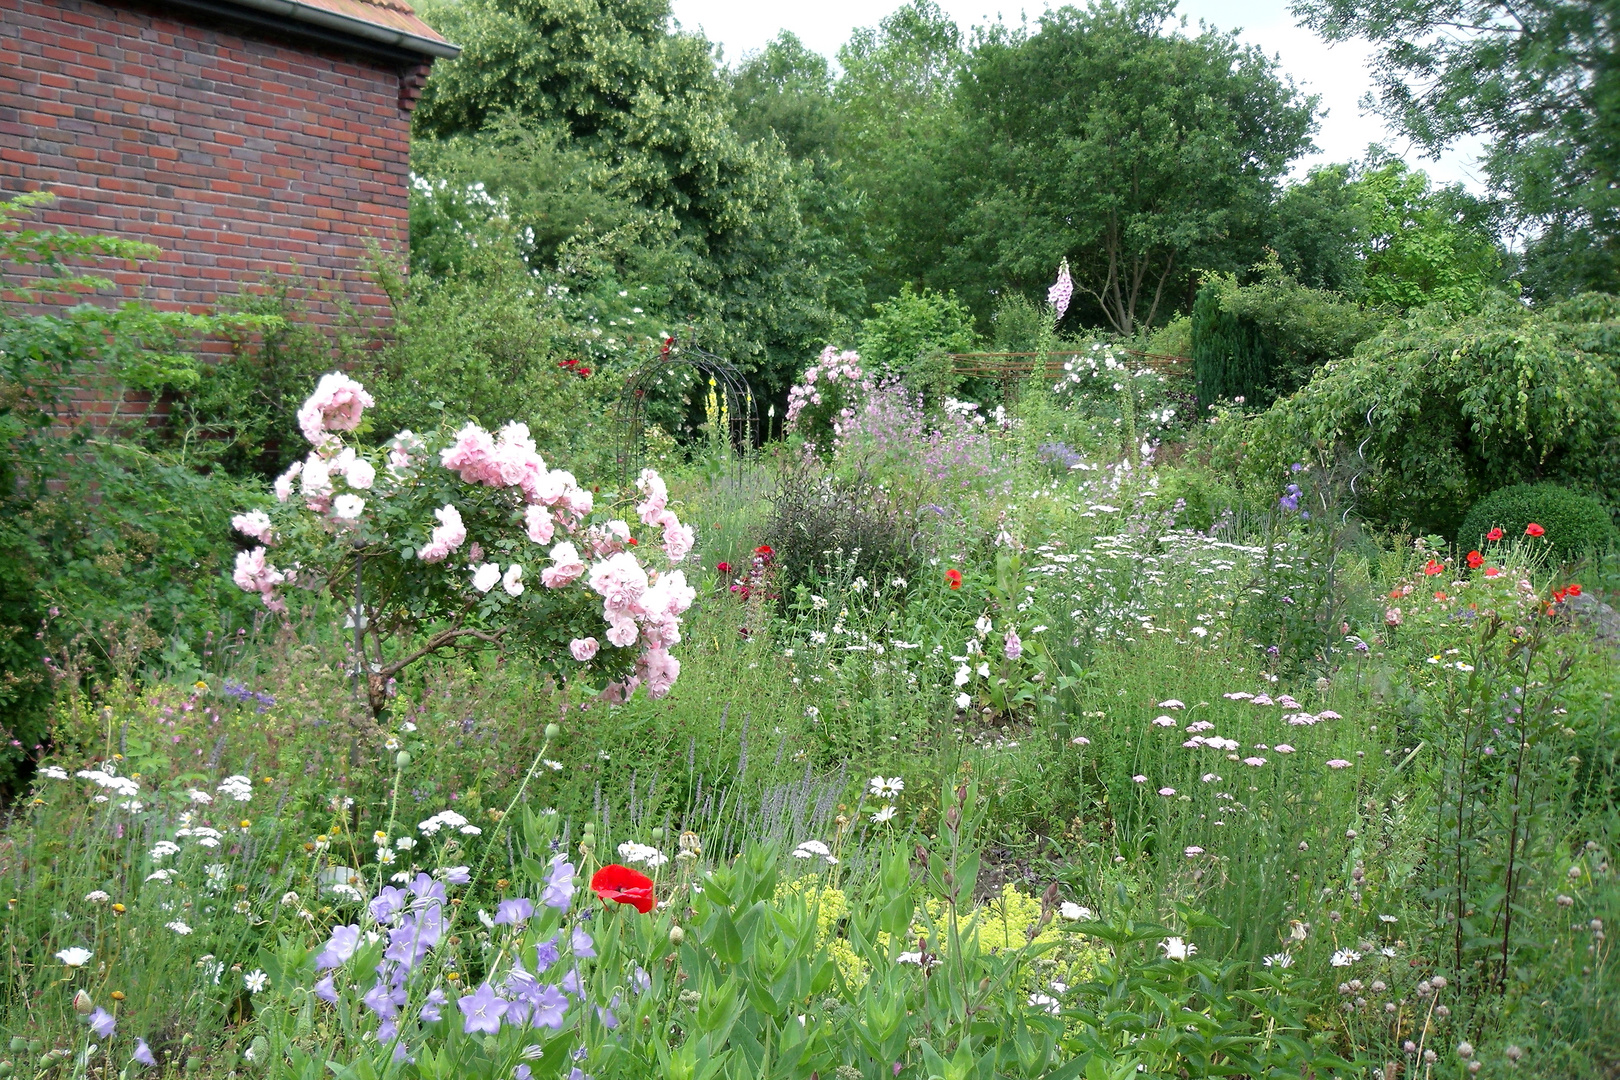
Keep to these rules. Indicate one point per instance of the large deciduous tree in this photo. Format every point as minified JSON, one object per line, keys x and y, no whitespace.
{"x":1110,"y":137}
{"x":1540,"y":80}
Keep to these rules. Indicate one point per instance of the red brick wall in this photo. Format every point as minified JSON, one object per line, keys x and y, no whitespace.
{"x":234,"y":153}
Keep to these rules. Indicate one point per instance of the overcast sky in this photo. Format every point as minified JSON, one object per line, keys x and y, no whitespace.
{"x":1338,"y":74}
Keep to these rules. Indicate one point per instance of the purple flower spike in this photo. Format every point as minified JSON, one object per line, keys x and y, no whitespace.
{"x":483,"y":1010}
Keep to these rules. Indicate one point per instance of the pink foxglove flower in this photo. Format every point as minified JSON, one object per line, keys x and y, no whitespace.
{"x":1061,"y":291}
{"x":566,"y":566}
{"x":583,"y":648}
{"x":1013,"y":646}
{"x":335,"y":405}
{"x":448,"y":535}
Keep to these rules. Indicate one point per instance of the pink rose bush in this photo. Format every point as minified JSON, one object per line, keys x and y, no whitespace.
{"x":827,"y":394}
{"x":460,"y":573}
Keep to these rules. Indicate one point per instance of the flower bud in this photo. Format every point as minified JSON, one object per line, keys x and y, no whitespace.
{"x":82,"y":1004}
{"x":553,"y":731}
{"x":402,"y":760}
{"x":676,"y":935}
{"x":658,"y":833}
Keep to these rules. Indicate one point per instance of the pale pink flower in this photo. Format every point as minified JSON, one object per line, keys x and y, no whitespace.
{"x":254,"y":574}
{"x":472,"y":456}
{"x":678,"y":538}
{"x":403,"y":448}
{"x":1392,"y":616}
{"x":353,"y":468}
{"x":448,"y":535}
{"x":1012,"y":645}
{"x":1172,"y":703}
{"x":335,"y":405}
{"x":566,"y":566}
{"x":512,"y":581}
{"x":1328,"y":714}
{"x":660,"y":670}
{"x":1167,"y":791}
{"x":316,"y":483}
{"x":583,"y":648}
{"x":1255,"y":761}
{"x":1139,"y":779}
{"x":1164,"y":721}
{"x":1284,"y":748}
{"x":1338,"y":763}
{"x":622,"y":631}
{"x":619,"y":580}
{"x":254,"y":523}
{"x":485,"y":576}
{"x":655,"y":496}
{"x":538,"y":524}
{"x":347,"y":507}
{"x":284,"y":482}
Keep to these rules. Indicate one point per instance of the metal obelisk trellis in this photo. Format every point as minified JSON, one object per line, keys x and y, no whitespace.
{"x":729,"y":385}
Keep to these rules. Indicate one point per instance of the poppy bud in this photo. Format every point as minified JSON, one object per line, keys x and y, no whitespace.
{"x":676,"y":935}
{"x":402,"y":760}
{"x":589,"y":828}
{"x":82,"y":1004}
{"x":658,"y":833}
{"x":553,"y":731}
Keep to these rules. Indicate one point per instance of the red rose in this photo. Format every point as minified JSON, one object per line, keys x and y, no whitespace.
{"x":1494,"y":535}
{"x":623,"y":885}
{"x":953,"y":578}
{"x":1475,"y":560}
{"x":1533,"y":529}
{"x":1432,"y":568}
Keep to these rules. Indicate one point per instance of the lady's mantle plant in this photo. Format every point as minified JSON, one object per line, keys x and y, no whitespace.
{"x":465,"y":538}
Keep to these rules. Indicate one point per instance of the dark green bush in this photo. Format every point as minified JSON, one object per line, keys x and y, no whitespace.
{"x":1575,"y":523}
{"x":825,"y":524}
{"x":1439,"y":410}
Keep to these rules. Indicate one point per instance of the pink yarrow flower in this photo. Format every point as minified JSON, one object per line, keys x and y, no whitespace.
{"x":1338,"y":763}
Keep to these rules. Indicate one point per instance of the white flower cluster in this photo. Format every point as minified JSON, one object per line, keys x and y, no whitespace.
{"x":632,"y":852}
{"x":105,"y":778}
{"x":239,"y":788}
{"x":448,"y":819}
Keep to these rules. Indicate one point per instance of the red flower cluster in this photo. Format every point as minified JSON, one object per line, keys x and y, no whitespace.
{"x":953,"y":578}
{"x":1432,"y":567}
{"x":1570,"y":590}
{"x":575,"y":367}
{"x":757,"y":576}
{"x":623,"y":885}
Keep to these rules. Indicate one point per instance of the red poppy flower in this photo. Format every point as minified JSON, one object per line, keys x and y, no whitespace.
{"x":623,"y":885}
{"x":1558,"y":596}
{"x":1533,"y":529}
{"x":1494,"y":535}
{"x":568,"y":363}
{"x":584,"y":372}
{"x":953,"y":578}
{"x":1491,"y":571}
{"x":631,"y":541}
{"x":1573,"y":590}
{"x":1432,"y":568}
{"x":724,"y":568}
{"x":1475,"y":560}
{"x":765,"y":552}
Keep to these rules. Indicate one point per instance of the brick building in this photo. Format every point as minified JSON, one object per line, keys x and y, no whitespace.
{"x":240,"y":136}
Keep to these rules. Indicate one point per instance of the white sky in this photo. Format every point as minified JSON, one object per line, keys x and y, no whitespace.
{"x":1339,"y":74}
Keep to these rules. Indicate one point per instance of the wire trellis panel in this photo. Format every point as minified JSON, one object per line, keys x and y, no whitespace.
{"x":730,"y":386}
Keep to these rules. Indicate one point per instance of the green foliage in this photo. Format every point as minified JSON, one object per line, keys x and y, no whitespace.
{"x":1538,"y":81}
{"x":600,"y":135}
{"x":1139,"y":153}
{"x":1265,"y":340}
{"x":1438,"y":410}
{"x":1575,"y":524}
{"x":908,"y":335}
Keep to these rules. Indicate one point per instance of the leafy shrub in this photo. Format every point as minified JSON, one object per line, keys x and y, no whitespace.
{"x":819,"y":518}
{"x":1574,"y":523}
{"x":1264,"y":340}
{"x":1436,"y":411}
{"x":378,"y":531}
{"x":906,"y":336}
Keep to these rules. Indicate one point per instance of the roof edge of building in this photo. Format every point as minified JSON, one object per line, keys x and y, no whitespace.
{"x":298,"y":11}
